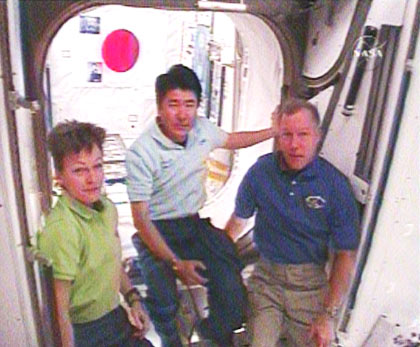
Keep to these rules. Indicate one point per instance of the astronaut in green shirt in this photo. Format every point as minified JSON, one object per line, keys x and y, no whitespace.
{"x":80,"y":238}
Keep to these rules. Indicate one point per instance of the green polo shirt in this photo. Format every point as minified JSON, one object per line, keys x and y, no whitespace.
{"x":84,"y":247}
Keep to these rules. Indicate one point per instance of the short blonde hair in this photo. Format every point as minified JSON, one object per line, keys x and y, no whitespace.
{"x":291,"y":106}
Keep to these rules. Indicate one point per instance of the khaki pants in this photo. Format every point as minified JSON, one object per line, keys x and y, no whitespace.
{"x":284,"y":300}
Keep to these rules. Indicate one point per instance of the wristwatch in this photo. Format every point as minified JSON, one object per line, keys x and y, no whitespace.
{"x":173,"y":263}
{"x":132,"y":296}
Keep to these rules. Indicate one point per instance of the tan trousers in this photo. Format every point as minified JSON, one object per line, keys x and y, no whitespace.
{"x":284,"y":300}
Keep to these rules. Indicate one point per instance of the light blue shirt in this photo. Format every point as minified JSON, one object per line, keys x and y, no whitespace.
{"x":168,"y":176}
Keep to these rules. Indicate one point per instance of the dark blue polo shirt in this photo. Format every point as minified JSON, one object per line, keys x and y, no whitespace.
{"x":298,"y":215}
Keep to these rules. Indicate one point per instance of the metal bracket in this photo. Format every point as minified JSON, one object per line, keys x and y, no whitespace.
{"x":34,"y":255}
{"x":409,"y":65}
{"x":16,"y":102}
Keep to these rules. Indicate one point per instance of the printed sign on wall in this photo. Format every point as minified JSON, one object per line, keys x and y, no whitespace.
{"x":90,"y":25}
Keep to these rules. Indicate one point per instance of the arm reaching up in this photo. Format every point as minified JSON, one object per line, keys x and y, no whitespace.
{"x":244,"y":139}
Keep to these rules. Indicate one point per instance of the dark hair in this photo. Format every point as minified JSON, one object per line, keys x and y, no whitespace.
{"x":70,"y":137}
{"x":177,"y":77}
{"x":291,"y":106}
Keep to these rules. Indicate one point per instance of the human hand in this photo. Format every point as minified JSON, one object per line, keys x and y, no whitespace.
{"x":275,"y":118}
{"x":322,"y":331}
{"x":139,"y":319}
{"x":187,"y":271}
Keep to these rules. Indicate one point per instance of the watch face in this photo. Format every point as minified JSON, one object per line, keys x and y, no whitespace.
{"x":131,"y":296}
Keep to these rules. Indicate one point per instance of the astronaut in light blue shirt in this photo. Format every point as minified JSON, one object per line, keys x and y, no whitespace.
{"x":166,"y":169}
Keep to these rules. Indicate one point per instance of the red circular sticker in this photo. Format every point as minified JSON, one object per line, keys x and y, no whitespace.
{"x":120,"y":50}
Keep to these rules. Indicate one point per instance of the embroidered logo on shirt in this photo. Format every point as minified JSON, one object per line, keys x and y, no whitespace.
{"x":315,"y":202}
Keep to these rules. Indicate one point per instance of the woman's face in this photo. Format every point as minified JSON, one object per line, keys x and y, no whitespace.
{"x":82,"y":175}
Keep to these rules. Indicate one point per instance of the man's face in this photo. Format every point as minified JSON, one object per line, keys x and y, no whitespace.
{"x":176,"y":114}
{"x":82,"y":175}
{"x":298,"y":139}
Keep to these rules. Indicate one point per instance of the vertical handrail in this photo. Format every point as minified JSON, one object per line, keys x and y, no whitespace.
{"x":48,"y":303}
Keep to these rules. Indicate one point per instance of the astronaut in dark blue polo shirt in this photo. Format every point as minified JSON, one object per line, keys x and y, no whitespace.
{"x":304,"y":209}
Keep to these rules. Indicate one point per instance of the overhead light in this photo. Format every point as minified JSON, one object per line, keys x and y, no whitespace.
{"x":217,"y":5}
